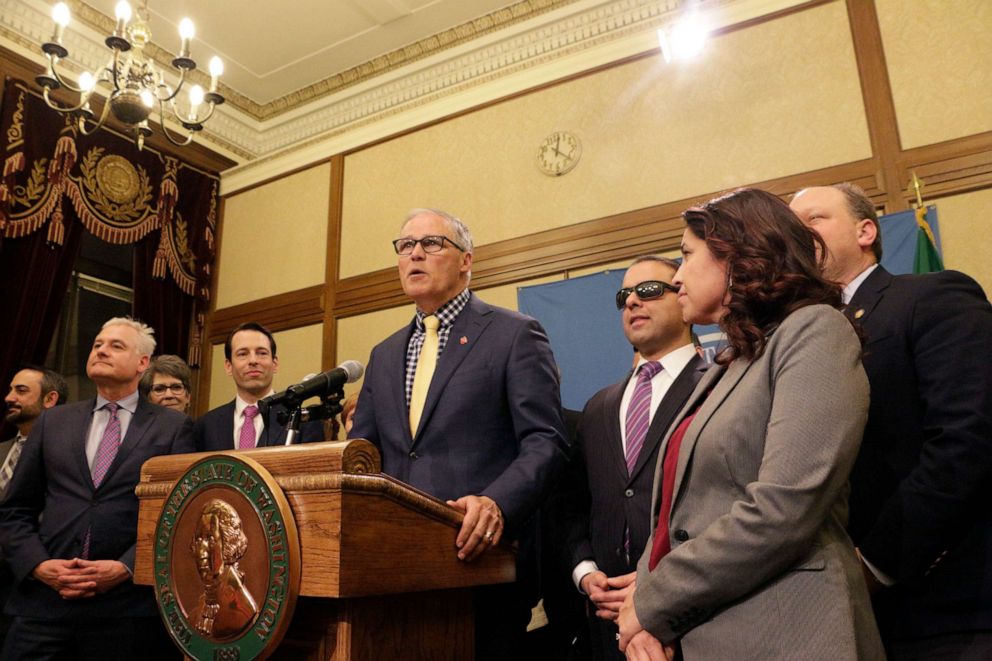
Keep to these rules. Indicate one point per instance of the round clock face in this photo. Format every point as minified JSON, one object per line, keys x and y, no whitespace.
{"x":559,"y":153}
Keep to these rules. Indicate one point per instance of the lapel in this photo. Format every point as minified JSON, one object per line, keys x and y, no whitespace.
{"x":731,"y":377}
{"x":670,"y":404}
{"x":868,"y":295}
{"x":79,"y":427}
{"x":394,"y":355}
{"x":614,"y":440}
{"x":470,"y":324}
{"x":141,"y":422}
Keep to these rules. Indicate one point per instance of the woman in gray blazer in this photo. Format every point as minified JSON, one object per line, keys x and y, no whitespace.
{"x":749,"y":558}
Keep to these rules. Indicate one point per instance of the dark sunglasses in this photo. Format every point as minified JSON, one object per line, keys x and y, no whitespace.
{"x":645,"y":291}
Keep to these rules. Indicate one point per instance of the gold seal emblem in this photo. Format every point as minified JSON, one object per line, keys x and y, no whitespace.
{"x":227,"y":560}
{"x":117,"y":179}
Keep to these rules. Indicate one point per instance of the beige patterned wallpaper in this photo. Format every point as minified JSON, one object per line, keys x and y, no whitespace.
{"x":939,"y":56}
{"x":964,"y":234}
{"x":759,"y":103}
{"x":274,"y":238}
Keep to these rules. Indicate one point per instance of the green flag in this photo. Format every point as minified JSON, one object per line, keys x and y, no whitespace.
{"x":927,"y":258}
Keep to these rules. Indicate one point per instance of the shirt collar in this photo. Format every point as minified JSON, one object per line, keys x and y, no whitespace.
{"x":240,"y":405}
{"x":673,"y":361}
{"x":447,"y":313}
{"x":129,"y":403}
{"x":853,"y":285}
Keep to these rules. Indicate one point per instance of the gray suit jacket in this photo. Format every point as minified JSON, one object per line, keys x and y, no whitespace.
{"x":761,"y":567}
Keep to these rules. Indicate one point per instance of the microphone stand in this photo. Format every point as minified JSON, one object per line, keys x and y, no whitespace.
{"x":329,"y":407}
{"x":293,"y":426}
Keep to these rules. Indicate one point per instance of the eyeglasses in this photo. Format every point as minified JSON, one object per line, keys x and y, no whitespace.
{"x":176,"y":388}
{"x":430,"y":244}
{"x":645,"y":291}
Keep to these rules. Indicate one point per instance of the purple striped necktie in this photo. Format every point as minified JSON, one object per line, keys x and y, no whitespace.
{"x":639,"y":412}
{"x":110,"y":443}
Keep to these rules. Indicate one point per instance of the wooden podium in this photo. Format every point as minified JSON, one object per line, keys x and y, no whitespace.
{"x":378,"y":575}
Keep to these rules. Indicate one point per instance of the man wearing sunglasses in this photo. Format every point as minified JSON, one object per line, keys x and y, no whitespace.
{"x":463,"y":403}
{"x":607,"y":521}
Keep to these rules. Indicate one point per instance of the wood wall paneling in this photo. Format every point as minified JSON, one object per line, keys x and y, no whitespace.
{"x":329,"y":353}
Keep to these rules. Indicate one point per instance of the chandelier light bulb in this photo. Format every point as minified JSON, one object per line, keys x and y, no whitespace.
{"x":86,"y":81}
{"x":186,"y":29}
{"x":195,"y":98}
{"x":216,"y":66}
{"x":123,"y":11}
{"x":60,"y":14}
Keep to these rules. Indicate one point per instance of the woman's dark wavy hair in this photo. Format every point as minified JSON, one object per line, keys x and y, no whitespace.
{"x":771,"y":261}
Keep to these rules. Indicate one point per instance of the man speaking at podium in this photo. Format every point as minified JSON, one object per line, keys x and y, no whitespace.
{"x":464,"y":404}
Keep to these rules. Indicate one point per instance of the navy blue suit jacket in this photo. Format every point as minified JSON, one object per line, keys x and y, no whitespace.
{"x":53,"y":478}
{"x":919,"y":507}
{"x":492,"y":422}
{"x":214,"y":430}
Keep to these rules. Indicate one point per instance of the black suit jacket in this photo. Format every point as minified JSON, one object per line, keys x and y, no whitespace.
{"x":214,"y":430}
{"x":920,"y":500}
{"x":606,"y":500}
{"x":53,"y":479}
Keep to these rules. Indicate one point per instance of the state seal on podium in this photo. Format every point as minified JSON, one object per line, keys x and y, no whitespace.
{"x":227,"y":560}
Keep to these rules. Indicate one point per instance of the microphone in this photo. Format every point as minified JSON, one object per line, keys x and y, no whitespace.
{"x":321,"y":385}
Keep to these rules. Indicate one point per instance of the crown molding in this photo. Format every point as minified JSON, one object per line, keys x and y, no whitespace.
{"x":528,"y":44}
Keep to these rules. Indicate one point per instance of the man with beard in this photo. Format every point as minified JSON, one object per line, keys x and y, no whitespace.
{"x":32,"y":390}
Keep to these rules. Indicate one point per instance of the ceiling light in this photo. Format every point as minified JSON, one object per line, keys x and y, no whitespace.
{"x":684,"y":40}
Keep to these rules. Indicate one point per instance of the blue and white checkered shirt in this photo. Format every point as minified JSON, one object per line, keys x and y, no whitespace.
{"x":446,"y":315}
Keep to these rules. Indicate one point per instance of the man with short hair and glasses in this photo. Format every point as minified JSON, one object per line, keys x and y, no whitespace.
{"x":463,"y":403}
{"x":606,"y":512}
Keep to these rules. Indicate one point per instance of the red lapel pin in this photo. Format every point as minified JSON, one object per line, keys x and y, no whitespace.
{"x":463,"y":340}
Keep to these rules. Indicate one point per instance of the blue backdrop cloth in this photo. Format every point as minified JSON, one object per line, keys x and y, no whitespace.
{"x":584,"y":325}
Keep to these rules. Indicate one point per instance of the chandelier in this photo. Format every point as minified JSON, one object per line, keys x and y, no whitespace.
{"x":133,"y":82}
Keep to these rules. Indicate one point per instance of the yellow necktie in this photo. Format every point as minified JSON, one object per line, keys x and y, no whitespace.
{"x":425,"y":371}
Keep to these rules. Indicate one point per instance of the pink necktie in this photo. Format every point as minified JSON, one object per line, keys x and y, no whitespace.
{"x":246,"y":439}
{"x":639,"y":413}
{"x":109,"y":445}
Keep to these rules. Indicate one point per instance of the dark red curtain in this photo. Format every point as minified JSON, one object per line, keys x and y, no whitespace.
{"x":57,"y":183}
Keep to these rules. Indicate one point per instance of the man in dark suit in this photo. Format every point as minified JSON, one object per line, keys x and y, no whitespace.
{"x":920,"y":494}
{"x":250,"y":360}
{"x":32,"y":390}
{"x":464,"y":404}
{"x":608,"y":518}
{"x":69,"y":521}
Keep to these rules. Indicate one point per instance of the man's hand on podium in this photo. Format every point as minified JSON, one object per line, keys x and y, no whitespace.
{"x":481,"y":528}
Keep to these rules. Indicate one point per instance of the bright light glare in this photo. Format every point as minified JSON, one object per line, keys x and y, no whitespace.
{"x":216,"y":66}
{"x":147,"y":98}
{"x":186,"y":29}
{"x":684,"y":40}
{"x":60,"y":14}
{"x":195,"y":95}
{"x":86,"y":81}
{"x":123,"y":11}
